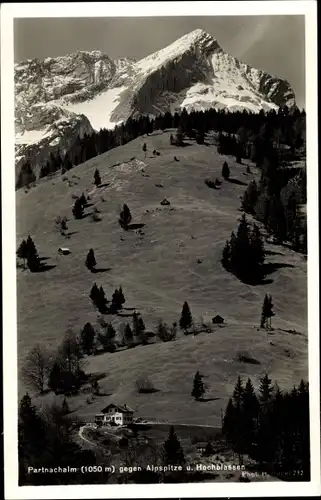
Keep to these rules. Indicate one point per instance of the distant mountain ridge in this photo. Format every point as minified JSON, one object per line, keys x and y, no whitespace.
{"x":59,"y":98}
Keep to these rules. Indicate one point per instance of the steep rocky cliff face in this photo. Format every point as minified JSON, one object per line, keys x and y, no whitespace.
{"x":59,"y":98}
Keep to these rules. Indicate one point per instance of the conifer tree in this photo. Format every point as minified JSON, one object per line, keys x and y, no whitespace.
{"x":78,"y":209}
{"x":128,"y":335}
{"x":63,"y":226}
{"x":83,"y":200}
{"x":173,"y":452}
{"x":225,"y":171}
{"x":238,"y":393}
{"x":94,"y":293}
{"x":265,"y":390}
{"x":186,"y":319}
{"x":264,"y":311}
{"x":198,"y":386}
{"x":267,"y":312}
{"x":90,"y":262}
{"x":125,"y":216}
{"x":97,"y":178}
{"x":87,"y":337}
{"x":144,"y":148}
{"x":121,"y":296}
{"x":33,"y":261}
{"x":101,"y":302}
{"x":55,"y":378}
{"x":22,"y":251}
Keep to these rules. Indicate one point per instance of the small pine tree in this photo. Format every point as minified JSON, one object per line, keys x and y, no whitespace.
{"x":83,"y":200}
{"x":116,"y":302}
{"x":78,"y":209}
{"x":186,"y":319}
{"x":144,"y":148}
{"x":94,"y":293}
{"x":22,"y":251}
{"x":264,"y":312}
{"x":267,"y":312}
{"x":101,"y":301}
{"x":225,"y":171}
{"x":33,"y":261}
{"x":87,"y":337}
{"x":90,"y":262}
{"x":173,"y":452}
{"x":128,"y":335}
{"x":97,"y":178}
{"x":198,"y":386}
{"x":63,"y":226}
{"x":265,"y":390}
{"x":121,"y":296}
{"x":125,"y":216}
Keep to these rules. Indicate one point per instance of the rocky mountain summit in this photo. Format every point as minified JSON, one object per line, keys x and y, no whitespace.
{"x":58,"y":99}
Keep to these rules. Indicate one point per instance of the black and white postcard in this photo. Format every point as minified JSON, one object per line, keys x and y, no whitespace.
{"x":160,"y":249}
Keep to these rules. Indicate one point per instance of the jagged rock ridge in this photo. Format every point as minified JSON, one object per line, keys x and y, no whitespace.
{"x":60,"y":98}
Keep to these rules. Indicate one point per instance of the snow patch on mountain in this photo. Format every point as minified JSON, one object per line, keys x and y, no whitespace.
{"x":99,"y":109}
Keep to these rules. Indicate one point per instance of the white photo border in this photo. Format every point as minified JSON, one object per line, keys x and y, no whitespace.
{"x":307,"y":8}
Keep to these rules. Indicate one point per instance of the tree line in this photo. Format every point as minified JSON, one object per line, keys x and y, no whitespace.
{"x":252,"y":129}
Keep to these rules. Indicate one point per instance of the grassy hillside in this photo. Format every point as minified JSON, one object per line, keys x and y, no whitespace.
{"x":158,"y":272}
{"x":171,"y":367}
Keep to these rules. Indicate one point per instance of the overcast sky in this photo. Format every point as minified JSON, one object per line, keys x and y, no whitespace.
{"x":275,"y":44}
